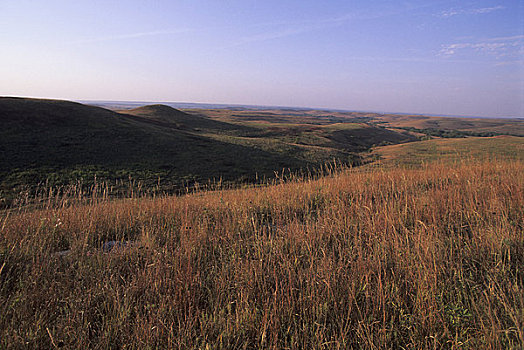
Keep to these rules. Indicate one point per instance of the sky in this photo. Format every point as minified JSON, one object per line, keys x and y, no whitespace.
{"x":428,"y":57}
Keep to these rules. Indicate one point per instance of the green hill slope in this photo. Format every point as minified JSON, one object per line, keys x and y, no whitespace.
{"x":451,"y":150}
{"x":509,"y":126}
{"x":171,"y":117}
{"x":61,"y":142}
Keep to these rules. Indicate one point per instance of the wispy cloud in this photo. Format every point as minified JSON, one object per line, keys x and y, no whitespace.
{"x":270,"y":36}
{"x":412,"y":59}
{"x":507,"y":38}
{"x":491,"y":47}
{"x":487,"y":9}
{"x":290,"y":28}
{"x":476,"y":11}
{"x":499,"y":47}
{"x":131,"y":36}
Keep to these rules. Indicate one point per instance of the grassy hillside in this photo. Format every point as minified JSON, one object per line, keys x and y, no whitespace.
{"x":170,"y":117}
{"x":393,"y":255}
{"x":451,"y":150}
{"x":470,"y":125}
{"x":398,"y":258}
{"x":510,"y":126}
{"x":348,"y":132}
{"x":49,"y":143}
{"x":61,"y":142}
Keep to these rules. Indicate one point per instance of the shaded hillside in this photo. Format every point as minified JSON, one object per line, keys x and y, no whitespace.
{"x":65,"y":141}
{"x":314,"y":117}
{"x":349,"y":132}
{"x":364,"y":137}
{"x":171,"y":117}
{"x":61,"y":133}
{"x":62,"y":142}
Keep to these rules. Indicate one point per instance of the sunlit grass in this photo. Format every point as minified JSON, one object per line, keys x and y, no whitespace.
{"x":452,"y":150}
{"x":378,"y":258}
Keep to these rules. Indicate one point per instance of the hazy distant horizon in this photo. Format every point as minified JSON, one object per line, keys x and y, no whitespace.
{"x":436,"y":57}
{"x":207,"y":105}
{"x":129,"y":104}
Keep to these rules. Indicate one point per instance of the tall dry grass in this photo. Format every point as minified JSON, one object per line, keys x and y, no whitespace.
{"x":375,"y":259}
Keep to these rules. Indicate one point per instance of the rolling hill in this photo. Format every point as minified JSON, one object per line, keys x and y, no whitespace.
{"x":62,"y":142}
{"x":451,"y":150}
{"x":382,"y":256}
{"x":511,"y":126}
{"x":171,"y":117}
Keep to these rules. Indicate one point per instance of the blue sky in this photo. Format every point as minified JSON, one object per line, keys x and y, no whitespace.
{"x":435,"y":57}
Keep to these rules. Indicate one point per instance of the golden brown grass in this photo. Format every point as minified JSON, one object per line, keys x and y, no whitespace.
{"x":373,"y":259}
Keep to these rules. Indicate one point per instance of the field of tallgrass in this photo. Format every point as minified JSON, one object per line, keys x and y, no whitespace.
{"x":369,"y":258}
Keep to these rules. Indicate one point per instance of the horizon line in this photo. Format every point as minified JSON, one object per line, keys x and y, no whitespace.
{"x":244,"y":105}
{"x":327,"y":109}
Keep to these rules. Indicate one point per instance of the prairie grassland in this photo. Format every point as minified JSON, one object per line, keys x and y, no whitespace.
{"x":513,"y":126}
{"x":368,"y":258}
{"x":451,"y":150}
